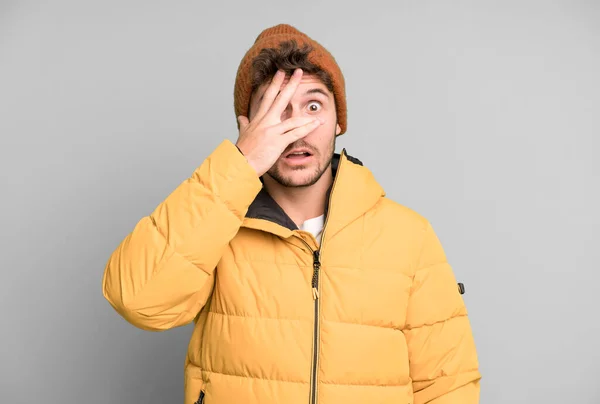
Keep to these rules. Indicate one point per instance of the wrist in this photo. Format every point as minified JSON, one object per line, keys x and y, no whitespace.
{"x":240,"y":150}
{"x":249,"y":161}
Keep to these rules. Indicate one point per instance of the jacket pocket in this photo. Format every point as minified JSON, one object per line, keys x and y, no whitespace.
{"x":201,"y":398}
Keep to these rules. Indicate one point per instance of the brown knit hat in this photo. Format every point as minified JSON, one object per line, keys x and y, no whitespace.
{"x":319,"y":56}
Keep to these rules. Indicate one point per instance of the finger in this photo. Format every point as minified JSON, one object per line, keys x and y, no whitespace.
{"x":300,"y":132}
{"x":284,"y":97}
{"x":292,"y":123}
{"x":270,"y":94}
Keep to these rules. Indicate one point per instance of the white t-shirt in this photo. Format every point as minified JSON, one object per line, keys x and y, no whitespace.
{"x":314,"y":226}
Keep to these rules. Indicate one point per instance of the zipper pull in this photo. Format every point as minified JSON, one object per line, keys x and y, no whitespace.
{"x":315,"y":278}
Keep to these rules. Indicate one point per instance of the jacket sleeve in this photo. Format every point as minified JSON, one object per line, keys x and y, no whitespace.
{"x":443,"y":359}
{"x":161,"y":275}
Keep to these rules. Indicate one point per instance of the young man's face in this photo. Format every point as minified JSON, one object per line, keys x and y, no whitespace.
{"x":312,"y":99}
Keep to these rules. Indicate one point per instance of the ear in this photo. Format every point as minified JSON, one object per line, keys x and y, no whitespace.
{"x":338,"y":129}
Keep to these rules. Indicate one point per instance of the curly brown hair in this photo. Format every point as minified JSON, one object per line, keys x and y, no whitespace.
{"x":288,"y":57}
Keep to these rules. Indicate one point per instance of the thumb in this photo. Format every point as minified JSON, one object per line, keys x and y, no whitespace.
{"x":242,"y":121}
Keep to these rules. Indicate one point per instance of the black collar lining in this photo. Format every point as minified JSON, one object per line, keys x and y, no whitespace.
{"x":264,"y":206}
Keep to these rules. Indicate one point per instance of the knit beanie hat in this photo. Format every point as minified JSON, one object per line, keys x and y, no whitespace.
{"x":319,"y":56}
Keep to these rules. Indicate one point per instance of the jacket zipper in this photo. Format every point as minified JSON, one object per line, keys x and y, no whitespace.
{"x":315,"y":284}
{"x":316,"y":287}
{"x":316,"y":344}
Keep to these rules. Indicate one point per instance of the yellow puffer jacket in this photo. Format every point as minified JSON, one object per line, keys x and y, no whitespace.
{"x":372,"y":315}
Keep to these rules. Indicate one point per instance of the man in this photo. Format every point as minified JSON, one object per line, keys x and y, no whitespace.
{"x":304,"y":282}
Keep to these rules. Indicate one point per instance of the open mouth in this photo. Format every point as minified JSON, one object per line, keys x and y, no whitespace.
{"x":298,"y":155}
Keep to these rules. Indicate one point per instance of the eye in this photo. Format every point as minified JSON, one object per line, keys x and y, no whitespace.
{"x":314,"y":106}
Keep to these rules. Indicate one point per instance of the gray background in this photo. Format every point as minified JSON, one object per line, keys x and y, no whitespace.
{"x":483,"y":117}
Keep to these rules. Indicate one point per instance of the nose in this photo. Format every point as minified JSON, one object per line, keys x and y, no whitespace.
{"x":290,"y":112}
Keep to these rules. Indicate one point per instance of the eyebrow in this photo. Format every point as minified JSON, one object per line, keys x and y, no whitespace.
{"x":315,"y":90}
